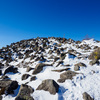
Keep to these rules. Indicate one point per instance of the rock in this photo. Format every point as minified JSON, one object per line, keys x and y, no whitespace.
{"x":4,"y":77}
{"x":60,"y":70}
{"x":24,"y":93}
{"x":11,"y":87}
{"x":95,"y":55}
{"x":2,"y":91}
{"x":66,"y":75}
{"x":39,"y":67}
{"x":60,"y":62}
{"x":5,"y":83}
{"x":56,"y":58}
{"x":94,"y":62}
{"x":11,"y":69}
{"x":78,"y":65}
{"x":0,"y":97}
{"x":0,"y":72}
{"x":58,"y":51}
{"x":49,"y":85}
{"x":62,"y":56}
{"x":25,"y":76}
{"x":50,"y":52}
{"x":8,"y":86}
{"x":29,"y":69}
{"x":33,"y":78}
{"x":1,"y":65}
{"x":86,"y":96}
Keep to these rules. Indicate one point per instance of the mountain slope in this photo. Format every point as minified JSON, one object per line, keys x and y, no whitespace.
{"x":49,"y":69}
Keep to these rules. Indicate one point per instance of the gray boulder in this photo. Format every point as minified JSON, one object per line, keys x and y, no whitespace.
{"x":24,"y":93}
{"x":78,"y":65}
{"x":25,"y":76}
{"x":49,"y":85}
{"x":8,"y":85}
{"x":66,"y":75}
{"x":39,"y":68}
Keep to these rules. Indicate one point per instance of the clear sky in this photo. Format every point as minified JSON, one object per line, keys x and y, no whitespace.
{"x":24,"y":19}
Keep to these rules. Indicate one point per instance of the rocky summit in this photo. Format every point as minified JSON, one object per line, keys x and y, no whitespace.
{"x":50,"y":69}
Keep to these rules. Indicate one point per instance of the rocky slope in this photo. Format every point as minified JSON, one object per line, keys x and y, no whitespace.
{"x":50,"y":69}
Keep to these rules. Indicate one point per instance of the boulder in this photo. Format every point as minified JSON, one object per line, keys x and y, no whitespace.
{"x":8,"y":85}
{"x":60,"y":62}
{"x":95,"y":56}
{"x":33,"y":78}
{"x":61,"y":70}
{"x":49,"y":85}
{"x":4,"y":77}
{"x":62,"y":56}
{"x":66,"y":75}
{"x":0,"y":72}
{"x":25,"y":76}
{"x":11,"y":87}
{"x":78,"y":65}
{"x":56,"y":58}
{"x":11,"y":69}
{"x":0,"y":97}
{"x":24,"y":93}
{"x":86,"y":96}
{"x":29,"y":69}
{"x":39,"y":67}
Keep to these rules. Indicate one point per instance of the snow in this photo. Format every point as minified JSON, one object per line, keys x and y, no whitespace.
{"x":85,"y":81}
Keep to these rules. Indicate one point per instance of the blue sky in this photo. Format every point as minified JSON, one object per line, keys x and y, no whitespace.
{"x":24,"y":19}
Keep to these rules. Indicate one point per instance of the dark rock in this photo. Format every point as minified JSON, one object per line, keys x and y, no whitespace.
{"x":25,"y":76}
{"x":0,"y":97}
{"x":1,"y":65}
{"x":58,"y":51}
{"x":39,"y":67}
{"x":61,"y":70}
{"x":62,"y":56}
{"x":33,"y":78}
{"x":94,"y":62}
{"x":66,"y":75}
{"x":56,"y":58}
{"x":0,"y":72}
{"x":11,"y":87}
{"x":29,"y":69}
{"x":50,"y":52}
{"x":78,"y":65}
{"x":11,"y":69}
{"x":8,"y":86}
{"x":86,"y":96}
{"x":60,"y":62}
{"x":24,"y":93}
{"x":49,"y":85}
{"x":4,"y":77}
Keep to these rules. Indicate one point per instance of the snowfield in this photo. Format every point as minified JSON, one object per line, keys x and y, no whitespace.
{"x":87,"y":80}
